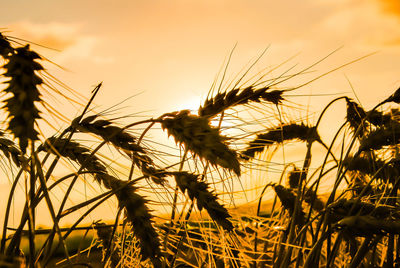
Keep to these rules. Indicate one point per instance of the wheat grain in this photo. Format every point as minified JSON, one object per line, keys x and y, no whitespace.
{"x":80,"y":154}
{"x":110,"y":133}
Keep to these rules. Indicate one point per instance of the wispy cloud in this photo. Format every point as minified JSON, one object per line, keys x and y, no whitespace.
{"x":54,"y":35}
{"x":65,"y":37}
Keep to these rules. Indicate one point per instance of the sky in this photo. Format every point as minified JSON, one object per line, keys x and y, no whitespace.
{"x":167,"y":53}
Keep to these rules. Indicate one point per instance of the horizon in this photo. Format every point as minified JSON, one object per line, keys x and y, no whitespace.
{"x":175,"y":51}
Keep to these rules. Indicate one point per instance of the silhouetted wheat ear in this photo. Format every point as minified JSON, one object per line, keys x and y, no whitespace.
{"x":110,"y":133}
{"x":386,"y":171}
{"x":294,"y":178}
{"x":199,"y":137}
{"x":140,"y":218}
{"x":104,"y":234}
{"x":5,"y":47}
{"x":342,"y":207}
{"x":395,"y":97}
{"x":229,"y":99}
{"x":311,"y":198}
{"x":288,"y":199}
{"x":205,"y":198}
{"x":121,"y":139}
{"x":80,"y":154}
{"x":379,"y":119}
{"x":279,"y":135}
{"x":355,"y":116}
{"x":380,"y":137}
{"x":23,"y":86}
{"x":368,"y":225}
{"x":11,"y":150}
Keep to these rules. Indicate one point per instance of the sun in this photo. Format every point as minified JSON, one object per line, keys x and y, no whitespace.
{"x":191,"y":103}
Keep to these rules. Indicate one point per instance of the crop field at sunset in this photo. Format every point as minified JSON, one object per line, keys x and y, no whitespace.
{"x":200,"y":133}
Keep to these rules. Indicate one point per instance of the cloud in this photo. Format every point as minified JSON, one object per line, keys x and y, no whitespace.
{"x":54,"y":35}
{"x":65,"y":37}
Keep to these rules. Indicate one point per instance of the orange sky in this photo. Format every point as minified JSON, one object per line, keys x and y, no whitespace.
{"x":174,"y":49}
{"x":170,"y":51}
